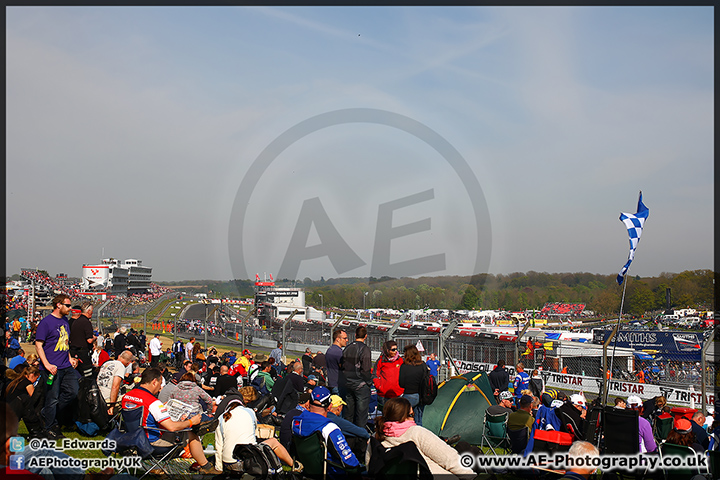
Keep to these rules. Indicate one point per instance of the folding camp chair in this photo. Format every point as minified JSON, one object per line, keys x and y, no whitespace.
{"x":714,"y":463}
{"x":494,"y":433}
{"x":402,"y":462}
{"x":592,"y":425}
{"x":518,"y":439}
{"x":313,"y":450}
{"x":662,"y":427}
{"x":131,"y":438}
{"x":621,"y":431}
{"x":670,"y":449}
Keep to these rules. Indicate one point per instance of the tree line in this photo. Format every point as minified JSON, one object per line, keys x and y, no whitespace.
{"x":513,"y":292}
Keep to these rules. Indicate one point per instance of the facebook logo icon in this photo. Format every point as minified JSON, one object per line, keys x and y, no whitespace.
{"x":17,"y":462}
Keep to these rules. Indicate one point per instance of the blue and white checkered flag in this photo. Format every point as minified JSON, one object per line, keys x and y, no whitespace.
{"x":634,"y":224}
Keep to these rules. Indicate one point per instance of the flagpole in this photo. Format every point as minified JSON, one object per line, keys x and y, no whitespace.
{"x":612,"y":357}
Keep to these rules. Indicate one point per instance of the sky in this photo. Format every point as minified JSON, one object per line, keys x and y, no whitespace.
{"x":225,"y":142}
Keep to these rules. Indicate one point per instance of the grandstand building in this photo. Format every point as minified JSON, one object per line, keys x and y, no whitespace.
{"x":115,"y":278}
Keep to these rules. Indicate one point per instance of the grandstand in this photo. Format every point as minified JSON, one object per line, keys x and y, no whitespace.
{"x":556,"y":309}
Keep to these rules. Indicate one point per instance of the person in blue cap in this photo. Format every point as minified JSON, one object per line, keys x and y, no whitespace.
{"x":315,"y":420}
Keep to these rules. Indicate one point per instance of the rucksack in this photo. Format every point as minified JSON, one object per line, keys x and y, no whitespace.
{"x":258,"y":460}
{"x":428,"y":388}
{"x":108,"y":344}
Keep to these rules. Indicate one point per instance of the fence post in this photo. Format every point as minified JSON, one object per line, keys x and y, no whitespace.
{"x":703,"y":366}
{"x":605,"y":376}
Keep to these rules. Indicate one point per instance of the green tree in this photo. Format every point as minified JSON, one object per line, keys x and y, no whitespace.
{"x":469,"y":299}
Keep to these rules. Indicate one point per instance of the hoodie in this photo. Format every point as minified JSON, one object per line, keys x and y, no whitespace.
{"x":193,"y":395}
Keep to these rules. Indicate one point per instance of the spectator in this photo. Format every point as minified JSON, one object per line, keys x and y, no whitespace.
{"x":224,"y":382}
{"x":575,"y":410}
{"x":276,"y":353}
{"x":155,"y":350}
{"x":387,"y":372}
{"x":396,"y":427}
{"x":18,"y":359}
{"x":410,"y":379}
{"x":645,"y":440}
{"x":307,"y":359}
{"x":315,"y":420}
{"x":120,"y":342}
{"x":333,"y":357}
{"x":356,"y":373}
{"x":581,"y":450}
{"x":682,"y":434}
{"x":505,"y":405}
{"x":155,"y":414}
{"x":82,"y":338}
{"x":189,"y":350}
{"x":237,"y":426}
{"x":110,"y":378}
{"x":12,"y":346}
{"x":433,"y":364}
{"x":319,"y":364}
{"x":620,"y":403}
{"x":537,"y":385}
{"x":522,"y":380}
{"x":286,"y":426}
{"x":188,"y":391}
{"x":698,"y":428}
{"x":20,"y":395}
{"x":187,"y":367}
{"x":499,"y":378}
{"x":522,"y":417}
{"x":51,"y":343}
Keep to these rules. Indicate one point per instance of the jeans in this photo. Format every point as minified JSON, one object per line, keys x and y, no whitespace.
{"x":414,"y":399}
{"x":62,"y":392}
{"x":358,"y":404}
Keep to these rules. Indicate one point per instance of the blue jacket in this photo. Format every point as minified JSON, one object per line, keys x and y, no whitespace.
{"x":308,"y":423}
{"x":522,"y":382}
{"x":545,"y":419}
{"x":348,"y":428}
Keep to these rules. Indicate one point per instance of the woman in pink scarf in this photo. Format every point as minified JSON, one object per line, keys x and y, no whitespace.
{"x":396,"y":426}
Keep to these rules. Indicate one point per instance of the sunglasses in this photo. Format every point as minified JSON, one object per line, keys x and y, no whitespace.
{"x":68,"y":304}
{"x":393,"y":349}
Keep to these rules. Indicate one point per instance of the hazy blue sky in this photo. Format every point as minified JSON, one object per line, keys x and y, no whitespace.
{"x":132,"y":130}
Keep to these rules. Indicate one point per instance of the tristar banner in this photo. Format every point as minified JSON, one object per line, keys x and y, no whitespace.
{"x":579,"y":383}
{"x":685,"y":346}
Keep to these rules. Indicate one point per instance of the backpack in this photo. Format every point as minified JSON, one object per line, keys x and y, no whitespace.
{"x":108,"y":344}
{"x":428,"y":388}
{"x":258,"y":460}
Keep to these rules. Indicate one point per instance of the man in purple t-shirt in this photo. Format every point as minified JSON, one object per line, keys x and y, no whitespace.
{"x":53,"y":348}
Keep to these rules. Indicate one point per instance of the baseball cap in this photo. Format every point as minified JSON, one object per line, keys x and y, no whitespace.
{"x":320,"y":396}
{"x":526,"y":400}
{"x":246,"y":352}
{"x":336,"y":401}
{"x":505,"y":395}
{"x":557,"y":403}
{"x":577,"y":400}
{"x":633,"y":401}
{"x":312,"y":377}
{"x":682,"y":425}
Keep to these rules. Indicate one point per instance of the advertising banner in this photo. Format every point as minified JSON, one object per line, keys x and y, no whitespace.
{"x":580,"y":383}
{"x":684,"y":346}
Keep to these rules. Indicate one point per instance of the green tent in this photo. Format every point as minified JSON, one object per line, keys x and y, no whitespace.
{"x":459,"y":408}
